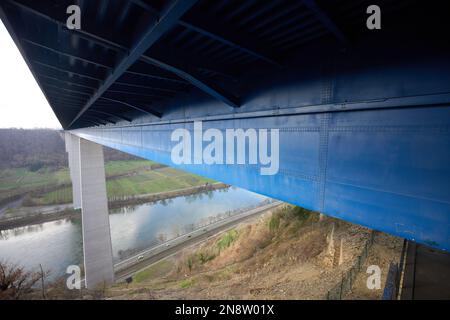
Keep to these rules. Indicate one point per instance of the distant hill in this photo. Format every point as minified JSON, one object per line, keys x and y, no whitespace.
{"x":35,"y":148}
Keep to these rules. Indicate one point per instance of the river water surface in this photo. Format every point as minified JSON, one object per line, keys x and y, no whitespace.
{"x":58,"y":244}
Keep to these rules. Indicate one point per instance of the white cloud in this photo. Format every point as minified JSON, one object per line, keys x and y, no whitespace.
{"x":22,"y":104}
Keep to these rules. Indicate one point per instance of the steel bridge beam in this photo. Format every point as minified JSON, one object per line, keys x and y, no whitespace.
{"x":78,"y":56}
{"x":174,"y":64}
{"x":59,"y":80}
{"x":145,"y":110}
{"x":194,"y":80}
{"x":97,"y":119}
{"x":111,"y":114}
{"x":209,"y":29}
{"x":326,"y":21}
{"x":160,"y":26}
{"x":232,"y":39}
{"x":66,"y":71}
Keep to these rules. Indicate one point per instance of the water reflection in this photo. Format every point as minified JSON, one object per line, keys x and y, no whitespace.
{"x":58,"y":244}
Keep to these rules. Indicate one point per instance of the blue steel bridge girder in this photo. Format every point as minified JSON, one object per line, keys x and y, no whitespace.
{"x":60,"y":80}
{"x":206,"y":27}
{"x":99,"y":120}
{"x":174,"y":63}
{"x":157,"y":77}
{"x":66,"y":102}
{"x":68,"y":91}
{"x":94,"y":123}
{"x":370,"y":146}
{"x":326,"y":21}
{"x":143,"y":109}
{"x":155,"y":31}
{"x":69,"y":53}
{"x":95,"y":120}
{"x":364,"y":134}
{"x":99,"y":117}
{"x":193,"y":79}
{"x":51,"y":45}
{"x":230,"y":38}
{"x":66,"y":86}
{"x":67,"y":71}
{"x":110,"y":114}
{"x":364,"y":184}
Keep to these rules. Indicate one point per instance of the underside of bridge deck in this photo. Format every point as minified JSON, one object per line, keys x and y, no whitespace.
{"x":363,"y":116}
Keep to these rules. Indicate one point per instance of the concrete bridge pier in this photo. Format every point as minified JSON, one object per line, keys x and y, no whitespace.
{"x":87,"y":171}
{"x":72,"y":149}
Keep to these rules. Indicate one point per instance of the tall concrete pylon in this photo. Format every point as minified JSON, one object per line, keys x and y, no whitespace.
{"x":72,"y":148}
{"x":87,"y":171}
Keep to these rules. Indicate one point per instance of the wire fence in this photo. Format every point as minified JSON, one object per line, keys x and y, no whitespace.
{"x":392,"y":288}
{"x":348,"y":277}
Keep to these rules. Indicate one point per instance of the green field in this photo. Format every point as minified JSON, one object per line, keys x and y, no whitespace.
{"x":124,"y":178}
{"x":24,"y":179}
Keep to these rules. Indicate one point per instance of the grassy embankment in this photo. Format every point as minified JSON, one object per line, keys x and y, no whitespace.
{"x":124,"y":179}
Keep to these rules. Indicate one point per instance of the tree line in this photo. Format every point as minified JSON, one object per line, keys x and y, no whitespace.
{"x":37,"y":148}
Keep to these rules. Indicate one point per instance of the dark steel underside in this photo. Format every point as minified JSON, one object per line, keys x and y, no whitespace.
{"x":133,"y":58}
{"x":363,"y":115}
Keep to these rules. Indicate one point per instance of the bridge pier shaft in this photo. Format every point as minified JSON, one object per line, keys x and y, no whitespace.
{"x":89,"y":192}
{"x":72,"y":149}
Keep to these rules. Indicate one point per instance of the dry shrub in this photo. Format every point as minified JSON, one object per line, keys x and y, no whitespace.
{"x":16,"y":282}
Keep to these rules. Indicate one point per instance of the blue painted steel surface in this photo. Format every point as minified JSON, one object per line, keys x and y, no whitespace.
{"x":364,"y":132}
{"x":385,"y":169}
{"x":368,"y":143}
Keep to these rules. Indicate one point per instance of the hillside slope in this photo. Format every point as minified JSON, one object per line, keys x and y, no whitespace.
{"x":287,"y":254}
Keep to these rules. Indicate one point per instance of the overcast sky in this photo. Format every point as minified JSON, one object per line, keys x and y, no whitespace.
{"x":22,"y":104}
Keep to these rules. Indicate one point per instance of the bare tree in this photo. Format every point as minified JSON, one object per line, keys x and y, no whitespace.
{"x":15,"y":281}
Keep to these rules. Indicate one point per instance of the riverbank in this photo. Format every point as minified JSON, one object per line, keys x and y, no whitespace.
{"x":30,"y":218}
